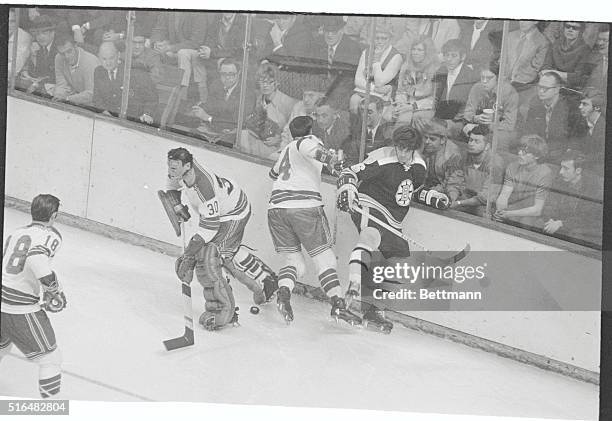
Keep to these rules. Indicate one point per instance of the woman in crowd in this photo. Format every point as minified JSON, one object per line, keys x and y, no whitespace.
{"x":386,"y":64}
{"x":414,"y":98}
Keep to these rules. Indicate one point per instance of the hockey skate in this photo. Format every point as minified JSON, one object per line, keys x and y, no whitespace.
{"x":270,"y":286}
{"x":209,"y":322}
{"x":339,"y":311}
{"x":351,"y":293}
{"x":374,"y":319}
{"x":284,"y":306}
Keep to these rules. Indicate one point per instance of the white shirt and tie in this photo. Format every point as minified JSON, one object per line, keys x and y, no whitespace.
{"x":451,"y":77}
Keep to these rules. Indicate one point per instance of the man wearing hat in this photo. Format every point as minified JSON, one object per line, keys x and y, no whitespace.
{"x":39,"y":74}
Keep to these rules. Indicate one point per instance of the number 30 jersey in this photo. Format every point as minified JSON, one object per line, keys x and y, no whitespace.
{"x":297,"y":175}
{"x":27,"y":257}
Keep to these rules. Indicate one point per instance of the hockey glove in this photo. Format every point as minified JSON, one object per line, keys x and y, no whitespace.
{"x":433,"y":198}
{"x":347,"y":197}
{"x":54,"y":301}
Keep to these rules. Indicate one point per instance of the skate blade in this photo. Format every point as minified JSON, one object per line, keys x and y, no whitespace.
{"x":286,"y":316}
{"x":376,"y":328}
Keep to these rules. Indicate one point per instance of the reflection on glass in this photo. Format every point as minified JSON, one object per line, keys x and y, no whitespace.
{"x":512,"y":113}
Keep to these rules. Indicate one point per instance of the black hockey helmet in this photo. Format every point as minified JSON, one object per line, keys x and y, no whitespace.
{"x":407,"y":137}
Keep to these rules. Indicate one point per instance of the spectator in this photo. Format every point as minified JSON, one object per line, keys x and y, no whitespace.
{"x":482,"y":102}
{"x":57,"y":15}
{"x":479,"y":177}
{"x":574,"y":210}
{"x":409,"y":35}
{"x":108,"y":87}
{"x":482,"y":39}
{"x":178,"y":37}
{"x":454,"y":80}
{"x":341,"y":55}
{"x":74,"y":72}
{"x":524,"y":56}
{"x":378,"y":131}
{"x":441,"y":155}
{"x":219,"y":114}
{"x":145,"y":57}
{"x":386,"y":64}
{"x":592,"y":139}
{"x":440,"y":31}
{"x":568,"y":56}
{"x":90,"y":27}
{"x":548,"y":115}
{"x":526,"y":184}
{"x":332,"y":127}
{"x":145,"y":21}
{"x":414,"y":99}
{"x":287,"y":35}
{"x":262,"y":136}
{"x":24,"y":41}
{"x":599,"y":60}
{"x":39,"y":74}
{"x":357,"y":29}
{"x":336,"y":48}
{"x":225,"y":37}
{"x":306,"y":107}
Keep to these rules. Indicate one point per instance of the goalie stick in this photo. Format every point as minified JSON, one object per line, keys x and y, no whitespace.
{"x":187,"y":339}
{"x":440,"y":259}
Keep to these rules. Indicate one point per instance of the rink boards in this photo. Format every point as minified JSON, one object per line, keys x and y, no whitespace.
{"x":109,"y":174}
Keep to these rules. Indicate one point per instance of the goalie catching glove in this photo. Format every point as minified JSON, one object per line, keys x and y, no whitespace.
{"x":347,"y":195}
{"x":185,"y":264}
{"x":54,"y":300}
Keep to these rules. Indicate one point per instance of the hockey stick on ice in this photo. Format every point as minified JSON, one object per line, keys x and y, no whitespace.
{"x":187,"y":338}
{"x":440,"y":260}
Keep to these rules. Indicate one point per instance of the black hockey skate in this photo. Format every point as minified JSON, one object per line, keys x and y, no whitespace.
{"x":270,"y":286}
{"x":374,"y":319}
{"x":284,"y":306}
{"x":340,"y":312}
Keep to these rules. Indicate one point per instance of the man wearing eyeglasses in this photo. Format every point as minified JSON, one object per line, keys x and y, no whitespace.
{"x":549,"y":115}
{"x":219,"y":114}
{"x":526,"y":184}
{"x":568,"y":56}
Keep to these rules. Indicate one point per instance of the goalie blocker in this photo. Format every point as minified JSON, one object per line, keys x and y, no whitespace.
{"x":175,"y":210}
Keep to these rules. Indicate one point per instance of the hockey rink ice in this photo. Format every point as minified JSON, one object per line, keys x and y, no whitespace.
{"x":123,"y":300}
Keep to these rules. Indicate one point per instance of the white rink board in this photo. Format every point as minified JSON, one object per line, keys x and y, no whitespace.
{"x":125,"y":160}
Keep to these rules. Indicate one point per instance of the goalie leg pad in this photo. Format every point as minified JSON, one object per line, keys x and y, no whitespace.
{"x":175,"y":211}
{"x":218,"y":294}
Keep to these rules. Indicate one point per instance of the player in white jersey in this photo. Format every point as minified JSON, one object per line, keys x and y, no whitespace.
{"x":296,"y":217}
{"x":26,"y":267}
{"x":223,"y":211}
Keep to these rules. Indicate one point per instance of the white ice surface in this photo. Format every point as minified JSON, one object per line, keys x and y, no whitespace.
{"x":124,"y":300}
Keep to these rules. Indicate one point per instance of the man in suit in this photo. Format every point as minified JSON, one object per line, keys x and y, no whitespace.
{"x":439,"y":30}
{"x":219,"y":114}
{"x":332,"y":126}
{"x":483,"y":41}
{"x":525,"y":54}
{"x":287,"y":35}
{"x":108,"y":87}
{"x":378,"y":131}
{"x":599,"y":59}
{"x":549,"y":115}
{"x":453,"y":83}
{"x":74,"y":72}
{"x":340,"y":54}
{"x":178,"y":36}
{"x":225,"y":38}
{"x":591,"y":132}
{"x":39,"y":74}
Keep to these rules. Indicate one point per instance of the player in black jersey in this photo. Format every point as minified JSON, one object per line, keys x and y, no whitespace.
{"x":382,"y":185}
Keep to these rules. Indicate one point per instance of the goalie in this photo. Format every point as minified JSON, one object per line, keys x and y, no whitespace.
{"x":383,"y":186}
{"x":222,"y":211}
{"x":26,"y":267}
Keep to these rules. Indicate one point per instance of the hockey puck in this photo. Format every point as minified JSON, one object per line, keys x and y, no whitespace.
{"x":254,"y":310}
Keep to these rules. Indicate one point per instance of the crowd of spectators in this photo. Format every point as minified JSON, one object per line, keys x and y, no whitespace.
{"x":517,"y":137}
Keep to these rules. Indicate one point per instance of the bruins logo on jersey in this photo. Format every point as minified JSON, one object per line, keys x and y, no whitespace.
{"x":404,"y":192}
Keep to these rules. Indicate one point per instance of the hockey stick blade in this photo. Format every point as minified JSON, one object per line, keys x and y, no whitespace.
{"x":180,"y":342}
{"x":450,"y":260}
